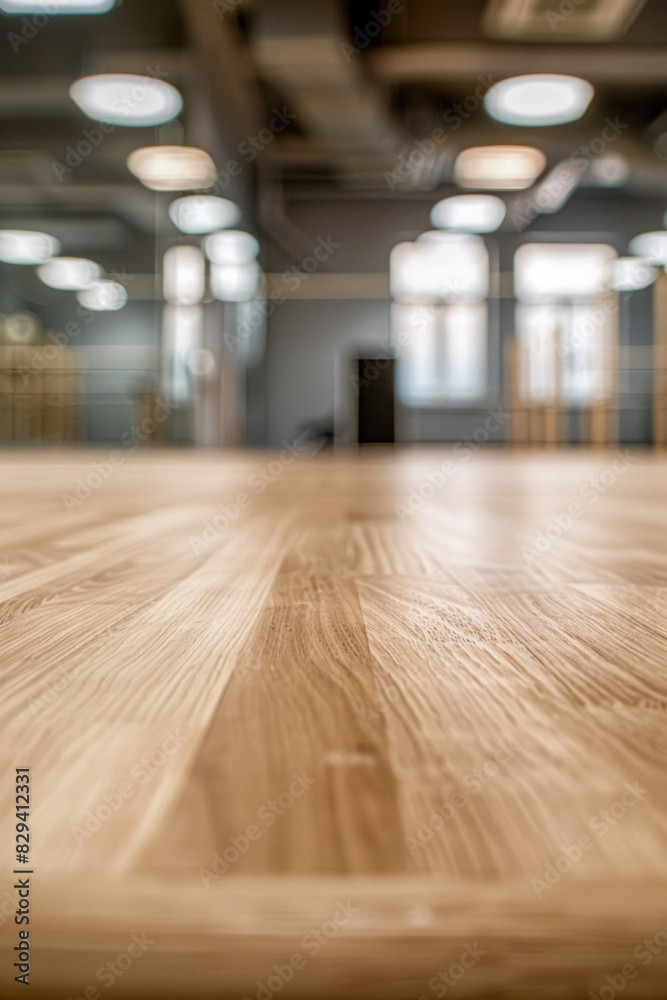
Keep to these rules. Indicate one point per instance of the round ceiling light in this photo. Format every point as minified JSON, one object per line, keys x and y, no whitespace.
{"x":172,"y":168}
{"x":539,"y":99}
{"x":469,"y":213}
{"x":499,"y":168}
{"x":126,"y":99}
{"x":56,"y":6}
{"x":629,"y":274}
{"x":651,"y":246}
{"x":203,"y":213}
{"x":72,"y":274}
{"x":103,"y":296}
{"x":232,"y":246}
{"x":25,"y":246}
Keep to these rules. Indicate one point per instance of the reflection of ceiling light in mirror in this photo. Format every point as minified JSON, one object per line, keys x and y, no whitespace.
{"x":201,"y":362}
{"x":126,"y":99}
{"x":103,"y":296}
{"x":25,"y":246}
{"x":235,"y":282}
{"x":628,"y":274}
{"x":72,"y":274}
{"x":56,"y":6}
{"x":539,"y":99}
{"x":203,"y":213}
{"x":172,"y":168}
{"x":442,"y":270}
{"x":499,"y":168}
{"x":22,"y":328}
{"x":232,"y":246}
{"x":184,"y":275}
{"x":651,"y":246}
{"x":469,"y":213}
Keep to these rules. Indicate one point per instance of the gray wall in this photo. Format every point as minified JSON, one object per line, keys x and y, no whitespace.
{"x":309,"y":342}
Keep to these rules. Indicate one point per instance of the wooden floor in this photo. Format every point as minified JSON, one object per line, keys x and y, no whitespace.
{"x":393,"y":719}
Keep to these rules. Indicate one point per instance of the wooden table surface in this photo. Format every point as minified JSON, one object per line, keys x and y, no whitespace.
{"x":333,"y":726}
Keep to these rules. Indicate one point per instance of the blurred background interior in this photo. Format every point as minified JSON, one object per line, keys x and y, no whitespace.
{"x":243,"y":222}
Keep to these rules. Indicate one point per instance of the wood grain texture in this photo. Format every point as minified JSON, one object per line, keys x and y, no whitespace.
{"x":257,"y":693}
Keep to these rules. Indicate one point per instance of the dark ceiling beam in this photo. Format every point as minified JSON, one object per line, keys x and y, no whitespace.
{"x":453,"y":61}
{"x":221,"y":58}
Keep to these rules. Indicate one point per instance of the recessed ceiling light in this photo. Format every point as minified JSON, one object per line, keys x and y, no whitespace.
{"x":628,"y":274}
{"x":610,"y":170}
{"x":651,"y":246}
{"x":69,"y":273}
{"x":235,"y":282}
{"x":103,"y":296}
{"x":126,"y":99}
{"x":25,"y":246}
{"x":539,"y":99}
{"x":439,"y":271}
{"x":56,"y":6}
{"x":172,"y":168}
{"x":469,"y":213}
{"x":203,"y":213}
{"x":569,"y":21}
{"x":232,"y":246}
{"x":499,"y":168}
{"x":184,"y":275}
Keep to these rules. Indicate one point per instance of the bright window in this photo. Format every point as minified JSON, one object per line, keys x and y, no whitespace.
{"x":440,"y":319}
{"x":442,"y":352}
{"x":565,"y":321}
